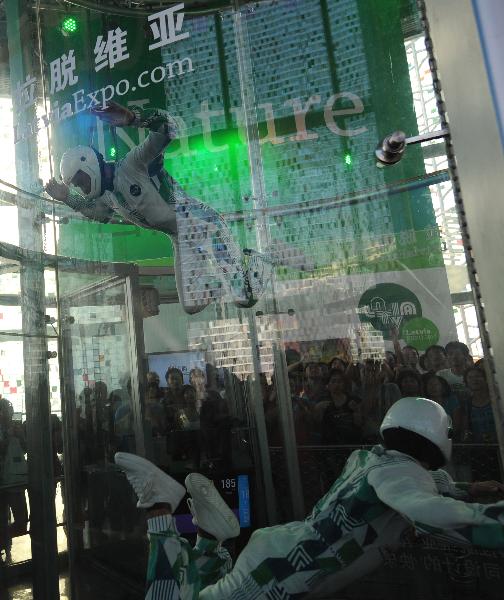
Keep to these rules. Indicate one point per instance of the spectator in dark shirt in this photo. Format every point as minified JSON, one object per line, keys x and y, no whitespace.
{"x":152,"y":377}
{"x":342,"y":418}
{"x":480,"y":425}
{"x":198,"y":380}
{"x":407,"y":357}
{"x":174,"y":381}
{"x":459,"y":359}
{"x":378,"y":394}
{"x":154,"y":411}
{"x":338,"y":364}
{"x":302,"y":411}
{"x":189,"y":413}
{"x":410,"y":358}
{"x":173,"y":396}
{"x":215,"y":424}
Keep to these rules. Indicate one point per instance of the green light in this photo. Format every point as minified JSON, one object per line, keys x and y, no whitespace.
{"x":112,"y":152}
{"x":348,"y":159}
{"x":69,"y":25}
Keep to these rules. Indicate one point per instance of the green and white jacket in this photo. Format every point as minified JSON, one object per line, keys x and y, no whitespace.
{"x":379,"y":495}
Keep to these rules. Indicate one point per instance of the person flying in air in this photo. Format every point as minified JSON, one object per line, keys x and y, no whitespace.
{"x":208,"y":262}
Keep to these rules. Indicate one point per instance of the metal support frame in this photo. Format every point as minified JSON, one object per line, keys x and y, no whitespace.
{"x":137,"y":358}
{"x":41,"y":490}
{"x":127,"y":279}
{"x":477,"y":160}
{"x":391,"y":149}
{"x":247,"y":91}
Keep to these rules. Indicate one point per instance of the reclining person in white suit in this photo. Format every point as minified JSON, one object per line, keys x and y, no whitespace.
{"x":381,"y":494}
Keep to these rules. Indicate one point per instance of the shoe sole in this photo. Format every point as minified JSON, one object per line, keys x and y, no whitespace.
{"x":132,"y":462}
{"x":224,"y":517}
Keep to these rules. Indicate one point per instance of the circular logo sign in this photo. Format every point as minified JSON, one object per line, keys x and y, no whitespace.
{"x":420,"y":333}
{"x":387,"y":306}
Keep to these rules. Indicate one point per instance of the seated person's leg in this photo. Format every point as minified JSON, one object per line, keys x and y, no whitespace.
{"x":216,"y":522}
{"x":175,"y":570}
{"x":172,"y":570}
{"x":171,"y":574}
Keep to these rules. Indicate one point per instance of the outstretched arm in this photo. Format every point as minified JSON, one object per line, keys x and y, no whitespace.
{"x":410,"y":490}
{"x":465,"y":491}
{"x":95,"y":210}
{"x":162,"y":126}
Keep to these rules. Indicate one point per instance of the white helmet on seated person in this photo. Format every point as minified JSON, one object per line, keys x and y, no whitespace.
{"x":421,"y":417}
{"x":89,"y":161}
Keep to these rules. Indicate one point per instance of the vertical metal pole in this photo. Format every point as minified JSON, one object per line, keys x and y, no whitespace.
{"x":226,"y":101}
{"x":496,"y":398}
{"x":71,"y":463}
{"x":331,"y":62}
{"x":247,"y":91}
{"x":136,"y":358}
{"x":38,"y":435}
{"x":22,"y":62}
{"x":288,"y":432}
{"x":267,"y":487}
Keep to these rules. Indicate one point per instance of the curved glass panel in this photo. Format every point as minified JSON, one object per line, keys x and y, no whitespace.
{"x":196,"y":221}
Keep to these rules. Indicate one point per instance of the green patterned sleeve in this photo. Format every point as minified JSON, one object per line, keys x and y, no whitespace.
{"x":447,"y":487}
{"x":410,"y":490}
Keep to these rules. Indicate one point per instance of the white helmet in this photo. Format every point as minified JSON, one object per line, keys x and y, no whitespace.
{"x":85,"y":159}
{"x":424,"y":417}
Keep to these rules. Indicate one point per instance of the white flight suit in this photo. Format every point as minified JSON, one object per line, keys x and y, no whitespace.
{"x":208,"y":262}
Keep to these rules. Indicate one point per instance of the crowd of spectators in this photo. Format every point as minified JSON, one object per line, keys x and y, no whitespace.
{"x":195,"y":421}
{"x":334,"y":402}
{"x":192,"y":418}
{"x":343,"y":402}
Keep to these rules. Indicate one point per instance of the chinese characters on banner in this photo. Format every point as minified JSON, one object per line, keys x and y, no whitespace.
{"x":109,"y":49}
{"x":62,"y":72}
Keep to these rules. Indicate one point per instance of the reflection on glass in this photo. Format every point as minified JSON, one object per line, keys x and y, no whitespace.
{"x":261,"y":126}
{"x":14,"y":542}
{"x":97,"y":362}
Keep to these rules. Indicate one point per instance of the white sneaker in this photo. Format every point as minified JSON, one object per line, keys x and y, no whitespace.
{"x":209,"y":510}
{"x":151,"y":485}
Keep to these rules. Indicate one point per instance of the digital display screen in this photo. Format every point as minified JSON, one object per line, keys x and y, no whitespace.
{"x":184,"y":361}
{"x":234,"y":489}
